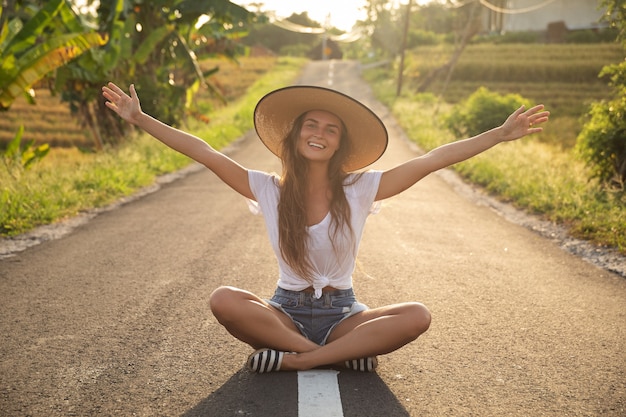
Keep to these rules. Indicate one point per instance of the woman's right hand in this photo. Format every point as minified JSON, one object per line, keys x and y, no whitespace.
{"x":127,"y":107}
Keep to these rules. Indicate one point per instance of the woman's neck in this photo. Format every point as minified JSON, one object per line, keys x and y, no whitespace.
{"x":318,"y":195}
{"x":317,"y":178}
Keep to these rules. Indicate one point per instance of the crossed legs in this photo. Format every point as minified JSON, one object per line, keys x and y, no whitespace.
{"x":373,"y":332}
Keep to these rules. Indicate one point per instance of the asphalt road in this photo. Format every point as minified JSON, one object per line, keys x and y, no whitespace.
{"x":113,"y":318}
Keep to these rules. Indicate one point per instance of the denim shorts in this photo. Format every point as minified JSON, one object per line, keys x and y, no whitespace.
{"x":317,"y":317}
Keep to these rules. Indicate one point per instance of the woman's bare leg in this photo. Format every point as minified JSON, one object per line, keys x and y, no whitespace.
{"x":370,"y":333}
{"x":255,"y":322}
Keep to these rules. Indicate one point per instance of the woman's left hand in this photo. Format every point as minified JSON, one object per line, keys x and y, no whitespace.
{"x":127,"y":107}
{"x":521,"y":123}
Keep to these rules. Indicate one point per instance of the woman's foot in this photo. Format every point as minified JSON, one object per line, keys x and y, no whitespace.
{"x":270,"y":360}
{"x":363,"y":365}
{"x":265,"y":360}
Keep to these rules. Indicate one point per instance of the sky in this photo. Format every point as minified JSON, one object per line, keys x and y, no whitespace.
{"x":343,"y":13}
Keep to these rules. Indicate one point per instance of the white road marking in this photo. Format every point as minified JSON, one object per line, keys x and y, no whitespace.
{"x":318,"y":394}
{"x":318,"y":391}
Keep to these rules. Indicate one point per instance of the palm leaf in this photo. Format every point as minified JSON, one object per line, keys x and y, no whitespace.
{"x":190,"y":10}
{"x":151,"y":42}
{"x":27,"y":36}
{"x":192,"y":59}
{"x":44,"y":58}
{"x":13,"y":147}
{"x":71,"y":20}
{"x":8,"y":32}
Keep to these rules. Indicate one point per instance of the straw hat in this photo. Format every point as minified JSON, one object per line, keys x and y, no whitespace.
{"x":275,"y":113}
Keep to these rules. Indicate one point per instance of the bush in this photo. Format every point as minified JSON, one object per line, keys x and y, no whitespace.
{"x":517,"y":37}
{"x":591,"y":36}
{"x":422,"y":37}
{"x":602,"y":142}
{"x":482,"y":111}
{"x":295,"y":50}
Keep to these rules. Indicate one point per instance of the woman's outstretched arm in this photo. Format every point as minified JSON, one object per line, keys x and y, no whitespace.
{"x":519,"y":124}
{"x":129,"y":109}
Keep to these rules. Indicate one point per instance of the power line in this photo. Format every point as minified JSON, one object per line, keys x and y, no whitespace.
{"x":348,"y":37}
{"x":459,"y":5}
{"x":294,"y":27}
{"x":515,"y":11}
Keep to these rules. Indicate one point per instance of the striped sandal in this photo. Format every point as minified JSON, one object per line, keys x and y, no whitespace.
{"x":265,"y":360}
{"x":362,"y":365}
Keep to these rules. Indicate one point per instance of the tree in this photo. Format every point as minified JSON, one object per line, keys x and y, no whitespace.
{"x":158,"y":46}
{"x":279,"y":39}
{"x":435,"y":18}
{"x":602,"y":142}
{"x":384,"y":24}
{"x":50,"y":38}
{"x":471,"y":27}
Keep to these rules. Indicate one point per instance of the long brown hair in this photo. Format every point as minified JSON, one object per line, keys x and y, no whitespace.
{"x":292,"y":213}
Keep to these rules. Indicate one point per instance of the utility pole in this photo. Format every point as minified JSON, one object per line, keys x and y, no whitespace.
{"x":407,"y":19}
{"x":325,"y":53}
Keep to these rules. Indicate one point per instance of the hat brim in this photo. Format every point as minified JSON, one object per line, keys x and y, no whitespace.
{"x":276,"y":112}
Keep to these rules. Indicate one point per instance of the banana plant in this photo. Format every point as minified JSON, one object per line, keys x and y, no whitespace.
{"x":175,"y":36}
{"x":158,"y":46}
{"x":25,"y":59}
{"x":19,"y":156}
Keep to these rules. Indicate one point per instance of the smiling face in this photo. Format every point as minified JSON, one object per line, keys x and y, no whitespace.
{"x":320,"y":136}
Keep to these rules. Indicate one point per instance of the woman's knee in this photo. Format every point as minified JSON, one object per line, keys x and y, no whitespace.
{"x":223,"y":299}
{"x":420,"y":318}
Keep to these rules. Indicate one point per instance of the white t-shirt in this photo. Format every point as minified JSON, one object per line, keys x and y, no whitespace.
{"x":331,"y":266}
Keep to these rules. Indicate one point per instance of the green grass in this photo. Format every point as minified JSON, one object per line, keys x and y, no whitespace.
{"x":563,"y":77}
{"x":551,"y":182}
{"x":533,"y":174}
{"x":68,"y":181}
{"x":540,"y":174}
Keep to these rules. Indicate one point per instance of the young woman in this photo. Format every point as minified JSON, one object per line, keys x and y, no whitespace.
{"x":315,"y":213}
